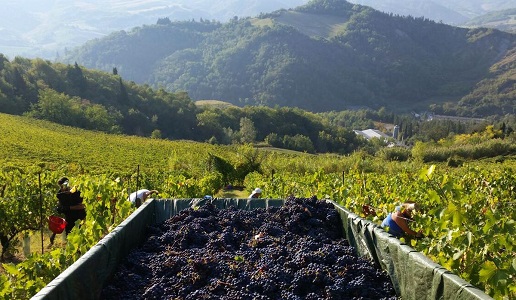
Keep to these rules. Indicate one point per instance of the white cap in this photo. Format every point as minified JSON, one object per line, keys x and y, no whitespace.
{"x":257,"y":191}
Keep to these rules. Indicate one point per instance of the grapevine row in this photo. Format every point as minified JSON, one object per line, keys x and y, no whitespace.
{"x":468,"y":213}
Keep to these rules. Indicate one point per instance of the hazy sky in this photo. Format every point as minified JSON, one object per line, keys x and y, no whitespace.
{"x":44,"y":28}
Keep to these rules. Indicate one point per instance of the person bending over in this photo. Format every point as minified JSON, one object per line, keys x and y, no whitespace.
{"x":397,"y":223}
{"x":138,"y":197}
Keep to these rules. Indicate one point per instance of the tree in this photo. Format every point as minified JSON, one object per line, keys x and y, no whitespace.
{"x":54,"y":107}
{"x":156,"y":134}
{"x":164,"y":21}
{"x":298,"y":142}
{"x":123,"y":96}
{"x":76,"y":79}
{"x":247,"y":130}
{"x":250,"y":160}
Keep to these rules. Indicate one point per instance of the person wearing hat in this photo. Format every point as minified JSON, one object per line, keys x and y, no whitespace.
{"x":257,"y":193}
{"x":396,"y":223}
{"x":138,"y":197}
{"x":70,"y":204}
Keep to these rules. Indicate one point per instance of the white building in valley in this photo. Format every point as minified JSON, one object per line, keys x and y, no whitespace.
{"x":372,"y":133}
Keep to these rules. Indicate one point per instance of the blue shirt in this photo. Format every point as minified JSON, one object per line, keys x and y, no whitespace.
{"x":394,"y":228}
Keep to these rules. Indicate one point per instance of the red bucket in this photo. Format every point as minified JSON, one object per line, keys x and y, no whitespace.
{"x":56,"y":224}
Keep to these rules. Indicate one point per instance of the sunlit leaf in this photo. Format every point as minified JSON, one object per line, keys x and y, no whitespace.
{"x":11,"y":269}
{"x":426,"y":174}
{"x":490,"y":221}
{"x":433,"y":196}
{"x":487,"y":271}
{"x":457,"y":218}
{"x":458,"y":254}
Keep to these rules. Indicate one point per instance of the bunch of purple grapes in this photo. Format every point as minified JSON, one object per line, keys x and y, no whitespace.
{"x":296,"y":251}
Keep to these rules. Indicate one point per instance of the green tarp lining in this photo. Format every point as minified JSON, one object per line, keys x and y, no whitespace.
{"x":414,"y":276}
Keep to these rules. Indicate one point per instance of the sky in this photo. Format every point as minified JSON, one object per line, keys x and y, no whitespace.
{"x":45,"y":28}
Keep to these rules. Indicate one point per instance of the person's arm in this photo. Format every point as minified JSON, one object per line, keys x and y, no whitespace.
{"x":77,"y":201}
{"x":147,"y":194}
{"x":402,"y":223}
{"x":77,"y":207}
{"x":150,"y":193}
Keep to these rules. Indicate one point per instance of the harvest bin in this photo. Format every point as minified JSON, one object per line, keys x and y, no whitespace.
{"x":413,"y":275}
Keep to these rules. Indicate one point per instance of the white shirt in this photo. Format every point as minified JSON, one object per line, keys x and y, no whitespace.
{"x":138,"y":194}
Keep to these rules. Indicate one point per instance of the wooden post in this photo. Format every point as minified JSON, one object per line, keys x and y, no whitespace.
{"x":41,"y":212}
{"x":138,"y":178}
{"x":26,"y":244}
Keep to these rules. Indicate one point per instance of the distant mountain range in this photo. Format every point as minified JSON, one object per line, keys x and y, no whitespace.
{"x":325,"y":55}
{"x":45,"y":28}
{"x":503,"y":20}
{"x":457,"y":12}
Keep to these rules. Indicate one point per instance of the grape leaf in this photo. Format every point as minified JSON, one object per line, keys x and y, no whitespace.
{"x":488,"y":271}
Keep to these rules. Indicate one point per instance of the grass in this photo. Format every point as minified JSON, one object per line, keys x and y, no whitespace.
{"x":262,"y":22}
{"x":233,"y":194}
{"x":27,"y":245}
{"x":326,"y":26}
{"x":213,"y":103}
{"x":314,"y":25}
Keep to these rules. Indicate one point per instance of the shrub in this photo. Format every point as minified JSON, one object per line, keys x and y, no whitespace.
{"x":394,"y":154}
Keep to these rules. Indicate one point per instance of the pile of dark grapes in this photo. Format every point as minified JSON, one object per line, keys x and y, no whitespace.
{"x":296,"y":251}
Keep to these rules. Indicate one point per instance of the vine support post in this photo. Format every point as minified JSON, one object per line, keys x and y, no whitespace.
{"x":41,"y":211}
{"x":138,"y":178}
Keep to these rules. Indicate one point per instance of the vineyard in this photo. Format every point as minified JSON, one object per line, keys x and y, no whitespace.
{"x":467,"y":217}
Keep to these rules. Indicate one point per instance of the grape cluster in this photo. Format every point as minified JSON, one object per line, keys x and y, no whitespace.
{"x":296,"y":251}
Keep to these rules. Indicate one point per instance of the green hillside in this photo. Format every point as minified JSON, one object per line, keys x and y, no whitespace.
{"x":27,"y":142}
{"x":323,"y":56}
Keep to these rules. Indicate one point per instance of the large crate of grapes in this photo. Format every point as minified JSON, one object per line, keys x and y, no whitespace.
{"x":296,"y":248}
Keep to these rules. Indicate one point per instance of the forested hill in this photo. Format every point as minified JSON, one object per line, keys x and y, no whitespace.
{"x":95,"y":100}
{"x":325,"y":55}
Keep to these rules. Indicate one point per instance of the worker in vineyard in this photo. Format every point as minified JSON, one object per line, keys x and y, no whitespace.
{"x":70,"y":204}
{"x":257,"y":193}
{"x":138,"y":197}
{"x":396,"y":223}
